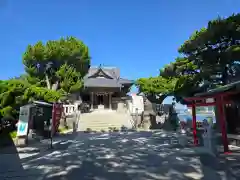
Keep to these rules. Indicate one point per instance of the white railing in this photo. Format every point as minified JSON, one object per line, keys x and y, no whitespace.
{"x":69,"y":109}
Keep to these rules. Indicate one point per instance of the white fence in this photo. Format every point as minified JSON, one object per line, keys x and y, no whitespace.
{"x":69,"y":109}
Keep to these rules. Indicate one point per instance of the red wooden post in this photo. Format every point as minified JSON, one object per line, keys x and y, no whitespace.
{"x":221,"y":115}
{"x":194,"y":124}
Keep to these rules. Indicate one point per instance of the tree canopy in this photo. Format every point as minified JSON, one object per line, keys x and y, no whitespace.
{"x":216,"y":49}
{"x":58,"y":64}
{"x":210,"y":57}
{"x":156,"y":88}
{"x":52,"y":70}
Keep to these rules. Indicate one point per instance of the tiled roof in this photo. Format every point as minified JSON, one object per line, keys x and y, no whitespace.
{"x":110,"y":71}
{"x":101,"y":82}
{"x":228,"y":87}
{"x":113,"y":78}
{"x":125,"y":81}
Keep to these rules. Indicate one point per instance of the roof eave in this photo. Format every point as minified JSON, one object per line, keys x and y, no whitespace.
{"x":226,"y":88}
{"x":96,"y":86}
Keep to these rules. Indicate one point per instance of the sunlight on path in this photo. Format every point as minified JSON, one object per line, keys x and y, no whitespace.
{"x":128,"y":156}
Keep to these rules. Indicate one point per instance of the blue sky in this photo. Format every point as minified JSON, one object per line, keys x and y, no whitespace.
{"x":139,"y":37}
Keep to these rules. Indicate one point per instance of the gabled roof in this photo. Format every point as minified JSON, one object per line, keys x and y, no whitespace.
{"x":101,"y":82}
{"x":111,"y":77}
{"x":99,"y":72}
{"x":110,"y":71}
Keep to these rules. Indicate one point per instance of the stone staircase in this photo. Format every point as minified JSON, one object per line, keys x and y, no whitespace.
{"x":104,"y":120}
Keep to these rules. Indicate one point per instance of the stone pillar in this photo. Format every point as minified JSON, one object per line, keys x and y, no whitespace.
{"x":146,"y":123}
{"x":146,"y":120}
{"x":110,"y":100}
{"x":92,"y":100}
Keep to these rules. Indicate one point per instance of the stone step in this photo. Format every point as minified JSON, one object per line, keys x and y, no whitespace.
{"x":82,"y":128}
{"x":96,"y":126}
{"x":100,"y":125}
{"x":100,"y":128}
{"x":108,"y":120}
{"x":102,"y":120}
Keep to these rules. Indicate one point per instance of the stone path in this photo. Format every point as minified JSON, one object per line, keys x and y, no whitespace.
{"x":115,"y":156}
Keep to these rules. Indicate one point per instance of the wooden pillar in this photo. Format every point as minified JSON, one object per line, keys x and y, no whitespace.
{"x":221,"y":114}
{"x":194,"y":124}
{"x":110,"y":100}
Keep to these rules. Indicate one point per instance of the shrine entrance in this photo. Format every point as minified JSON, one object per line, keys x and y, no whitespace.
{"x":101,"y":100}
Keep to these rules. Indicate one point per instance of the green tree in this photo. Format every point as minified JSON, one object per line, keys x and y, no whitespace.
{"x":40,"y":93}
{"x":70,"y":78}
{"x":17,"y":92}
{"x":210,"y":57}
{"x":175,"y":79}
{"x":52,"y":70}
{"x":215,"y":50}
{"x":48,"y":63}
{"x":11,"y":98}
{"x":185,"y":74}
{"x":156,"y":88}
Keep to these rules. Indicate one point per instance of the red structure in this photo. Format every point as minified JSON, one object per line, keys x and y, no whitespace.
{"x":56,"y":116}
{"x":216,"y":97}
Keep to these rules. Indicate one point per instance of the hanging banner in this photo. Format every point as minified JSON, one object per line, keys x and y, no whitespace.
{"x":56,"y":116}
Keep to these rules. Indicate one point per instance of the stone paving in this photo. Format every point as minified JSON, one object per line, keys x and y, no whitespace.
{"x":114,"y":156}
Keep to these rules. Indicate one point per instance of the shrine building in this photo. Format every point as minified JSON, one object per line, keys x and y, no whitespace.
{"x":104,"y":87}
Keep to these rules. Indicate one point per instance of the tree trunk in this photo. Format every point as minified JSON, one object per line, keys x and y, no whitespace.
{"x":47,"y":81}
{"x":55,"y":86}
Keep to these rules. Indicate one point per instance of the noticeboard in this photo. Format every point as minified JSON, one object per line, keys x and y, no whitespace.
{"x":24,"y":116}
{"x":22,"y":128}
{"x":24,"y":113}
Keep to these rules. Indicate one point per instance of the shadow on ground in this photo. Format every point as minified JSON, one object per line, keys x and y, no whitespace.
{"x":123,"y":156}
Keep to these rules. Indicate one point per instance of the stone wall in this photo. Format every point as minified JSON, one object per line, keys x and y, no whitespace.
{"x":119,"y":104}
{"x":70,"y":120}
{"x":149,"y":107}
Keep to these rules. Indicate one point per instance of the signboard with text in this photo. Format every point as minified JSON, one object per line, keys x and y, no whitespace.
{"x":24,"y":116}
{"x":22,"y":129}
